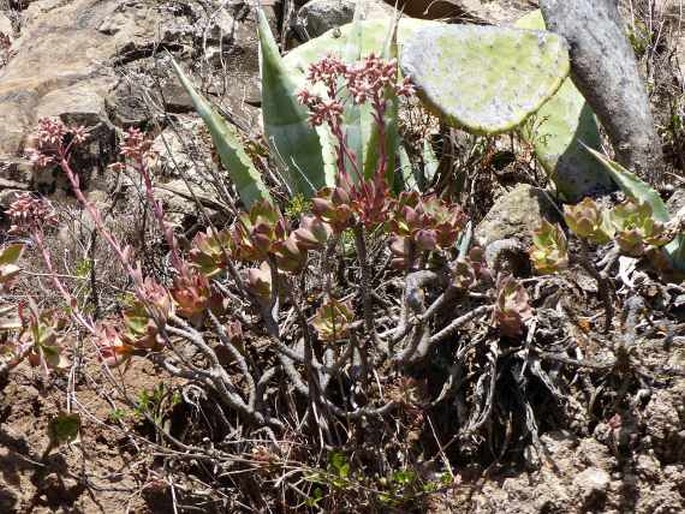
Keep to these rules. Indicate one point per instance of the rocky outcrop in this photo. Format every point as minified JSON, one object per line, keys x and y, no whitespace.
{"x":102,"y":64}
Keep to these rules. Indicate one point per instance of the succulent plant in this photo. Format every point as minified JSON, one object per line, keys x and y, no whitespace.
{"x":210,"y":251}
{"x":636,"y":228}
{"x":313,"y":232}
{"x":43,"y":333}
{"x":486,"y":80}
{"x":333,"y":206}
{"x":256,"y":232}
{"x":587,"y":220}
{"x":332,"y":320}
{"x":290,"y":254}
{"x":191,"y":293}
{"x":512,"y":307}
{"x":428,"y":221}
{"x":141,"y":320}
{"x":549,"y":253}
{"x":641,"y":192}
{"x":258,"y":282}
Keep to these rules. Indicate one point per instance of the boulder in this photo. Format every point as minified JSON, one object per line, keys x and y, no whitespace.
{"x":319,"y":16}
{"x":515,"y":215}
{"x":499,"y":12}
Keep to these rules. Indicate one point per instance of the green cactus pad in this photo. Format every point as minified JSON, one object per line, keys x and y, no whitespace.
{"x":486,"y":80}
{"x":561,"y":124}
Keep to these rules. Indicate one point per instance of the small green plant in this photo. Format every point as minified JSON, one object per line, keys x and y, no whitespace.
{"x":155,"y":403}
{"x":549,"y":253}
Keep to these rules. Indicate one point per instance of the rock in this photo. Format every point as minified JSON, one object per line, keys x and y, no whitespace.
{"x":71,"y":55}
{"x":319,"y":16}
{"x":102,"y":65}
{"x":502,"y":12}
{"x":515,"y":214}
{"x":6,"y":26}
{"x":592,"y":483}
{"x":676,"y":202}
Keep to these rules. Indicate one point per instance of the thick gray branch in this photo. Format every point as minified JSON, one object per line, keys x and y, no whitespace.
{"x":604,"y":69}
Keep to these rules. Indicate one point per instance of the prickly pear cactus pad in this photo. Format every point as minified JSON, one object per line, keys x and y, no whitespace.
{"x":485,"y":79}
{"x":374,"y":34}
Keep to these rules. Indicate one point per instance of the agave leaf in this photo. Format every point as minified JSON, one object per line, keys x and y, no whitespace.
{"x":286,"y":122}
{"x":633,"y":186}
{"x":362,"y":135}
{"x":407,"y":176}
{"x":430,"y":162}
{"x":639,"y":190}
{"x":357,"y":120}
{"x":242,"y":171}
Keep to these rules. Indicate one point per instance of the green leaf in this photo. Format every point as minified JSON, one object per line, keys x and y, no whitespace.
{"x":633,"y":186}
{"x":430,"y":163}
{"x":11,"y":254}
{"x":391,"y":136}
{"x":286,"y":124}
{"x":242,"y":171}
{"x":639,"y":190}
{"x":407,"y":177}
{"x":64,"y":428}
{"x":340,"y":464}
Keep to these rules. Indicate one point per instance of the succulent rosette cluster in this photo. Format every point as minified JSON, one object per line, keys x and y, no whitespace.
{"x":631,"y":224}
{"x":549,"y":252}
{"x":422,"y":224}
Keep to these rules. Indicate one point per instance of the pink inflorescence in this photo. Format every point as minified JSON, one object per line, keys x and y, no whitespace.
{"x":136,"y":144}
{"x":54,"y":140}
{"x":29,"y":213}
{"x":367,"y":81}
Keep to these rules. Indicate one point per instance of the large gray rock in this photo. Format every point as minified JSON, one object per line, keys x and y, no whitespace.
{"x":319,"y":16}
{"x":515,"y":215}
{"x":498,"y":12}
